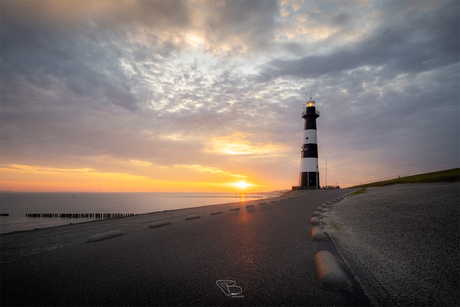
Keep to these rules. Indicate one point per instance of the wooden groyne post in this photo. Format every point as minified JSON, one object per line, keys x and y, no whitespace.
{"x":79,"y":215}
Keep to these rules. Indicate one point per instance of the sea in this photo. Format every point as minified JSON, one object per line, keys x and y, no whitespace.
{"x":15,"y":206}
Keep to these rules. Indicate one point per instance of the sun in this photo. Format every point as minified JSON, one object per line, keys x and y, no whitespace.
{"x":242,"y":184}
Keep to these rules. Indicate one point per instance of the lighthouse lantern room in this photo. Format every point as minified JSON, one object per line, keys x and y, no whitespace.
{"x":309,"y":172}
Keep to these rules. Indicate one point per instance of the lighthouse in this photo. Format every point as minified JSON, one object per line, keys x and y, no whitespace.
{"x":309,"y":172}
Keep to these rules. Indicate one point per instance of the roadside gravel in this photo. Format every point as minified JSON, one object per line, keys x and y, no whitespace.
{"x":402,"y":242}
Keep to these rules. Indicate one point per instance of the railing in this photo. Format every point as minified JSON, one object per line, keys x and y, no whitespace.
{"x":329,"y":187}
{"x":386,"y":178}
{"x":304,"y":113}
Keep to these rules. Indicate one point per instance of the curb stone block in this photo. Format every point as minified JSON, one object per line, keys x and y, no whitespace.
{"x":330,"y":274}
{"x":315,"y":221}
{"x":192,"y":217}
{"x":159,"y":224}
{"x":317,"y":234}
{"x":104,"y":235}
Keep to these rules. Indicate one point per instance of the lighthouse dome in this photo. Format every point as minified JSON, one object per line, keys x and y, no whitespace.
{"x":311,"y":103}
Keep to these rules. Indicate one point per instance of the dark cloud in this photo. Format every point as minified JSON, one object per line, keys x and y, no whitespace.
{"x":421,"y":44}
{"x":73,"y":17}
{"x":342,"y":20}
{"x":240,"y":24}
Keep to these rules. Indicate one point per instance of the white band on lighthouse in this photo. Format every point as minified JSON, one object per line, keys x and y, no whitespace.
{"x":309,"y":136}
{"x":309,"y":165}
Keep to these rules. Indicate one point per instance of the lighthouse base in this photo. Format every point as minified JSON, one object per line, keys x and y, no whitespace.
{"x":309,"y":180}
{"x":304,"y":188}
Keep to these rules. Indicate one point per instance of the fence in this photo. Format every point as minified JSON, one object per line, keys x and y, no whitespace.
{"x":386,"y":178}
{"x":79,"y":215}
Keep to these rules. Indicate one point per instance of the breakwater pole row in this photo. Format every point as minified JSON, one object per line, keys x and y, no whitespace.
{"x":79,"y":215}
{"x":225,"y":196}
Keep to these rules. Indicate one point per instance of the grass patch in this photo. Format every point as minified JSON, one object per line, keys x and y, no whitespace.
{"x":362,"y":191}
{"x":337,"y":228}
{"x":451,"y":175}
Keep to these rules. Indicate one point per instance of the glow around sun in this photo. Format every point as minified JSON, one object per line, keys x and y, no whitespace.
{"x":242,"y":184}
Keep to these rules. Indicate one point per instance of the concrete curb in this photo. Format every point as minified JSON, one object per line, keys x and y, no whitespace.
{"x":192,"y":217}
{"x":104,"y":235}
{"x":216,"y":212}
{"x":159,"y":224}
{"x":261,"y":204}
{"x":249,"y":206}
{"x":317,"y":234}
{"x":235,"y":209}
{"x":315,"y":221}
{"x":330,"y":274}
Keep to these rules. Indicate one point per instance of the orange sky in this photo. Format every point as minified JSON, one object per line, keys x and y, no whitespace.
{"x":38,"y":179}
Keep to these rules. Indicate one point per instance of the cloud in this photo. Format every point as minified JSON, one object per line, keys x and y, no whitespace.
{"x":168,"y":83}
{"x":243,"y":144}
{"x":36,"y":168}
{"x":212,"y":170}
{"x":80,"y":15}
{"x":419,"y":45}
{"x":236,"y":27}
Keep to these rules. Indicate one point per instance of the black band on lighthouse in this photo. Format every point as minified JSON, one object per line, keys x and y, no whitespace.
{"x":310,"y":151}
{"x":310,"y":123}
{"x":310,"y":118}
{"x":308,"y":179}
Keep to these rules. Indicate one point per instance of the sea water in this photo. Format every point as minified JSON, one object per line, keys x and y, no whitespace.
{"x":17,"y":205}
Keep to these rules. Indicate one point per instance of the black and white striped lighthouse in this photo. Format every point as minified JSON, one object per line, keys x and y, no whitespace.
{"x":309,"y":172}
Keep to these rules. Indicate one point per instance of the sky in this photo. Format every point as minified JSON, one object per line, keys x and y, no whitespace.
{"x":196,"y":96}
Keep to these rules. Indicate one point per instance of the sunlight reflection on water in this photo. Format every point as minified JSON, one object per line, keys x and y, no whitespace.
{"x":17,"y":205}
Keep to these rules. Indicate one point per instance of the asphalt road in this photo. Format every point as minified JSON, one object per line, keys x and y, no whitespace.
{"x":265,"y":249}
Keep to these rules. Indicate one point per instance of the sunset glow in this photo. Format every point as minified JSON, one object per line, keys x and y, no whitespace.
{"x":242,"y":185}
{"x":245,"y":144}
{"x":36,"y":179}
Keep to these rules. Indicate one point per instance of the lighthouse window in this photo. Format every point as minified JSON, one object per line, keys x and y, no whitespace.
{"x":310,"y":151}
